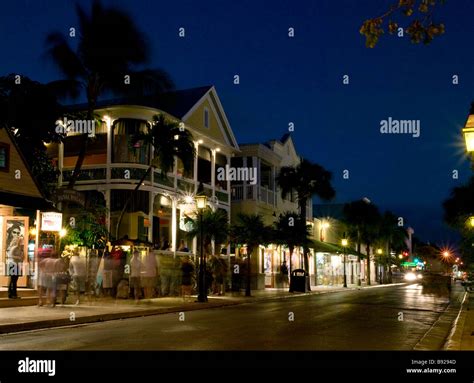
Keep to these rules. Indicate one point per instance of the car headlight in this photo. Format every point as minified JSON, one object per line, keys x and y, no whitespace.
{"x":410,"y":277}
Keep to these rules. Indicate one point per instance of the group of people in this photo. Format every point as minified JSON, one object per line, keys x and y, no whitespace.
{"x":56,"y":273}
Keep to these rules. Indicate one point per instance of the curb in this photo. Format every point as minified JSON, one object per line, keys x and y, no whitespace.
{"x":454,"y":339}
{"x":439,"y":333}
{"x":50,"y":323}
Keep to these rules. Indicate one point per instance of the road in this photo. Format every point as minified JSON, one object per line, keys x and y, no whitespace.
{"x":388,"y":318}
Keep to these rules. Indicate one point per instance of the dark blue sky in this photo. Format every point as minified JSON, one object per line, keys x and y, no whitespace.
{"x":300,"y":80}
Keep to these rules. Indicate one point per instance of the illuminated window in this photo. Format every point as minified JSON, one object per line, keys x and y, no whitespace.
{"x":4,"y":157}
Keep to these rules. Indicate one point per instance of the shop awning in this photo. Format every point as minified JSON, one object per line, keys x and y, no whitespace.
{"x":326,"y":247}
{"x":26,"y":202}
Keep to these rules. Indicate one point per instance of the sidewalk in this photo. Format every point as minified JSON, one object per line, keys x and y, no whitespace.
{"x":462,"y":334}
{"x":15,"y":319}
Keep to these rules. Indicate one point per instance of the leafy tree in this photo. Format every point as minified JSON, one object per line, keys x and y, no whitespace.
{"x":306,"y":179}
{"x":89,"y":230}
{"x":420,"y":26}
{"x":458,"y":209}
{"x":249,"y":229}
{"x":30,"y":110}
{"x":109,"y":49}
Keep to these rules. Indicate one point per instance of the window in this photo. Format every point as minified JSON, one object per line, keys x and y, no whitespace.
{"x":206,"y":118}
{"x":4,"y":157}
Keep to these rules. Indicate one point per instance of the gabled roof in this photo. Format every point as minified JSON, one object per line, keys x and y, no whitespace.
{"x":35,"y":200}
{"x":177,"y":103}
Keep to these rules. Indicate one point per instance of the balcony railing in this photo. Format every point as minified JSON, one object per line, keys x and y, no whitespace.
{"x":263,"y":194}
{"x":86,"y":174}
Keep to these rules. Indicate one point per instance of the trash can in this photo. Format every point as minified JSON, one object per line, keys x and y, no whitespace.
{"x":298,"y":281}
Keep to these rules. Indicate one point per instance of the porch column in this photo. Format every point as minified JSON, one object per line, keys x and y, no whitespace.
{"x":107,"y":206}
{"x":174,"y":226}
{"x":60,"y":163}
{"x":150,"y":215}
{"x":244,"y":182}
{"x":274,"y":185}
{"x":109,"y":149}
{"x":256,"y":163}
{"x":228,"y":185}
{"x":195,"y":164}
{"x":213,"y":173}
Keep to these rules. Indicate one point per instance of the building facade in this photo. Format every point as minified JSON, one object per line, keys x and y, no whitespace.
{"x":114,"y":164}
{"x":263,"y":196}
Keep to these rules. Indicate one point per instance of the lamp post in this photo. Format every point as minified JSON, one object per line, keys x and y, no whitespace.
{"x":201,"y":203}
{"x":344,"y":243}
{"x":379,"y":252}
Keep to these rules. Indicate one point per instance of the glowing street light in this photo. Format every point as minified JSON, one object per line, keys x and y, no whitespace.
{"x":344,"y":243}
{"x":201,"y":203}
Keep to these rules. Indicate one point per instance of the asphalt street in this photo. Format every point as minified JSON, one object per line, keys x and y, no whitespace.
{"x":389,"y":318}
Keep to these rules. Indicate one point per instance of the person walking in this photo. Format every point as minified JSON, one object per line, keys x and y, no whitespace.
{"x":77,"y":269}
{"x":136,"y":267}
{"x":187,"y":270}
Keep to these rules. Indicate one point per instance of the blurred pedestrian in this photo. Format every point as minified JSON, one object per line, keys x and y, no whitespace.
{"x":77,"y":269}
{"x":187,"y":271}
{"x":148,"y":275}
{"x":135,"y":273}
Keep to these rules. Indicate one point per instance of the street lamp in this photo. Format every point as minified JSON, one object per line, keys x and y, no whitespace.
{"x":201,"y":203}
{"x":344,"y":243}
{"x":379,"y":252}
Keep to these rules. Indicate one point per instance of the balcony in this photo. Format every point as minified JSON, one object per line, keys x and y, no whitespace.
{"x":264,"y":194}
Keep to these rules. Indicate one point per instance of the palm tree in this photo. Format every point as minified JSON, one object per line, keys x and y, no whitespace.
{"x":250,"y":230}
{"x":215,"y":228}
{"x":391,"y":235}
{"x":168,"y":141}
{"x":305,"y":179}
{"x":109,"y":47}
{"x":362,"y":218}
{"x":291,"y":230}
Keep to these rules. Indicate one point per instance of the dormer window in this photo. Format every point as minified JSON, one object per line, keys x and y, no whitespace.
{"x":206,"y":118}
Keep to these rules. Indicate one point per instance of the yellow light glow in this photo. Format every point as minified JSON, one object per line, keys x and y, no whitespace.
{"x":218,"y":149}
{"x":200,"y":141}
{"x":33,"y":231}
{"x":325,"y":225}
{"x":400,"y":256}
{"x":471,"y":221}
{"x":62,"y":232}
{"x":379,"y":251}
{"x":445,"y":254}
{"x":188,"y":199}
{"x":201,"y":201}
{"x":344,"y":242}
{"x":176,"y":136}
{"x":469,"y":137}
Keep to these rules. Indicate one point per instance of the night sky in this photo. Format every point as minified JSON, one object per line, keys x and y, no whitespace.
{"x":299,"y":79}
